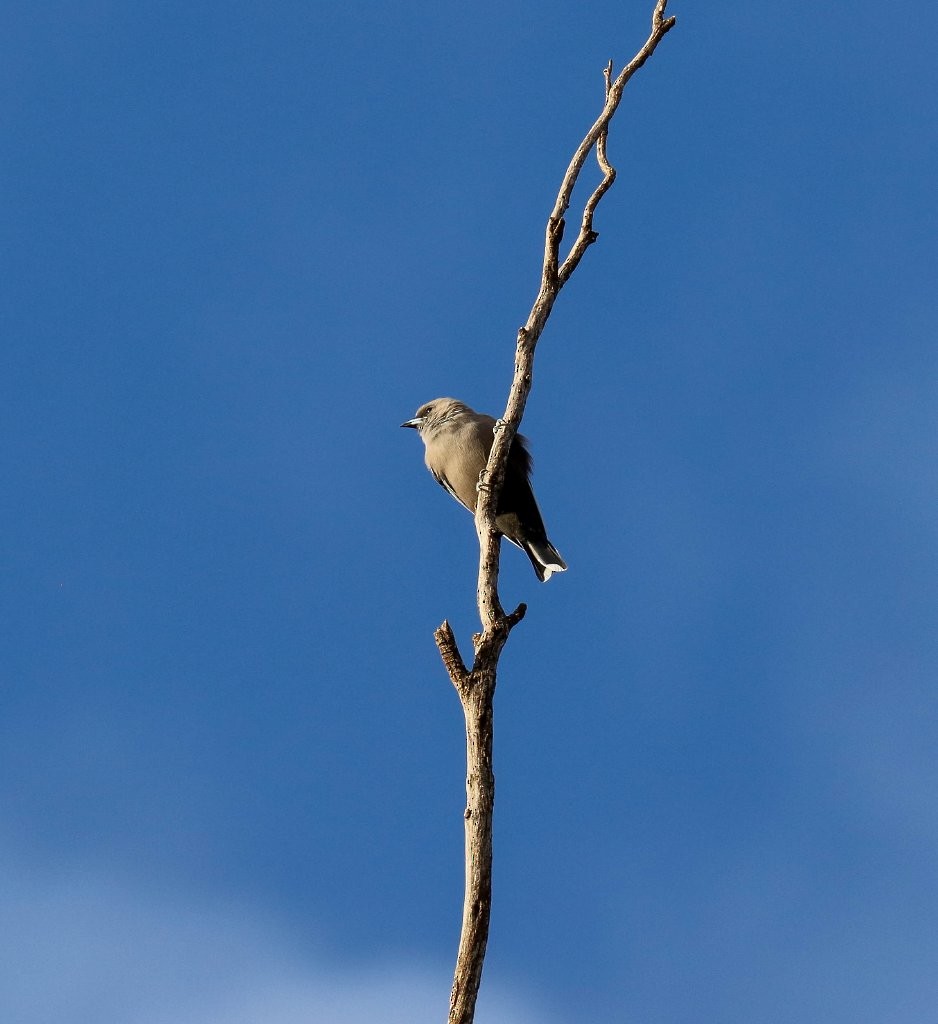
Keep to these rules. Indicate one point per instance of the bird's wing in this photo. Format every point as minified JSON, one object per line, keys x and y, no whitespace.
{"x":521,"y":454}
{"x":444,"y":483}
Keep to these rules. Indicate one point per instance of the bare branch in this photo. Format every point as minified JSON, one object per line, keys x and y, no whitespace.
{"x":587,"y":235}
{"x":476,"y":687}
{"x":480,"y":799}
{"x":552,"y":280}
{"x":660,"y":26}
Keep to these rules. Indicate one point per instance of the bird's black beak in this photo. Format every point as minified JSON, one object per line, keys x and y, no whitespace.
{"x":415,"y":423}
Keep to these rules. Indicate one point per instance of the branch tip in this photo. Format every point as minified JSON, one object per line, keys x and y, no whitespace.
{"x":449,"y":652}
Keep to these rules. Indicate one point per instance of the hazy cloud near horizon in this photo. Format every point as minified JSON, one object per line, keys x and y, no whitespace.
{"x":81,"y":949}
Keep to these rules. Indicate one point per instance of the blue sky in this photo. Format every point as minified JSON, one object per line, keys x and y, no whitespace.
{"x":242,"y":243}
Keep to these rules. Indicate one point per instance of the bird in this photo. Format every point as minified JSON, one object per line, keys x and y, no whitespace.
{"x":458,"y":440}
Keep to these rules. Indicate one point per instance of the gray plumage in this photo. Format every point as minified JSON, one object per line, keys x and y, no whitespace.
{"x":458,"y":441}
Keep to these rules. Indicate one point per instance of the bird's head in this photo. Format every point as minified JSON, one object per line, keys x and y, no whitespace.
{"x":432,"y":415}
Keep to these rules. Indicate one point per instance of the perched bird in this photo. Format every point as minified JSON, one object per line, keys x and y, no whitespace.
{"x":458,"y":441}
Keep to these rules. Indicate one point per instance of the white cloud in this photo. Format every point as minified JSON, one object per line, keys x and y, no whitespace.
{"x":78,"y":948}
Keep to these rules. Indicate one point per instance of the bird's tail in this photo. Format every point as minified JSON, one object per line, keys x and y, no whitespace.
{"x":544,"y":557}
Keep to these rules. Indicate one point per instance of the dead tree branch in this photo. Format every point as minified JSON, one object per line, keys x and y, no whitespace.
{"x":476,"y":686}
